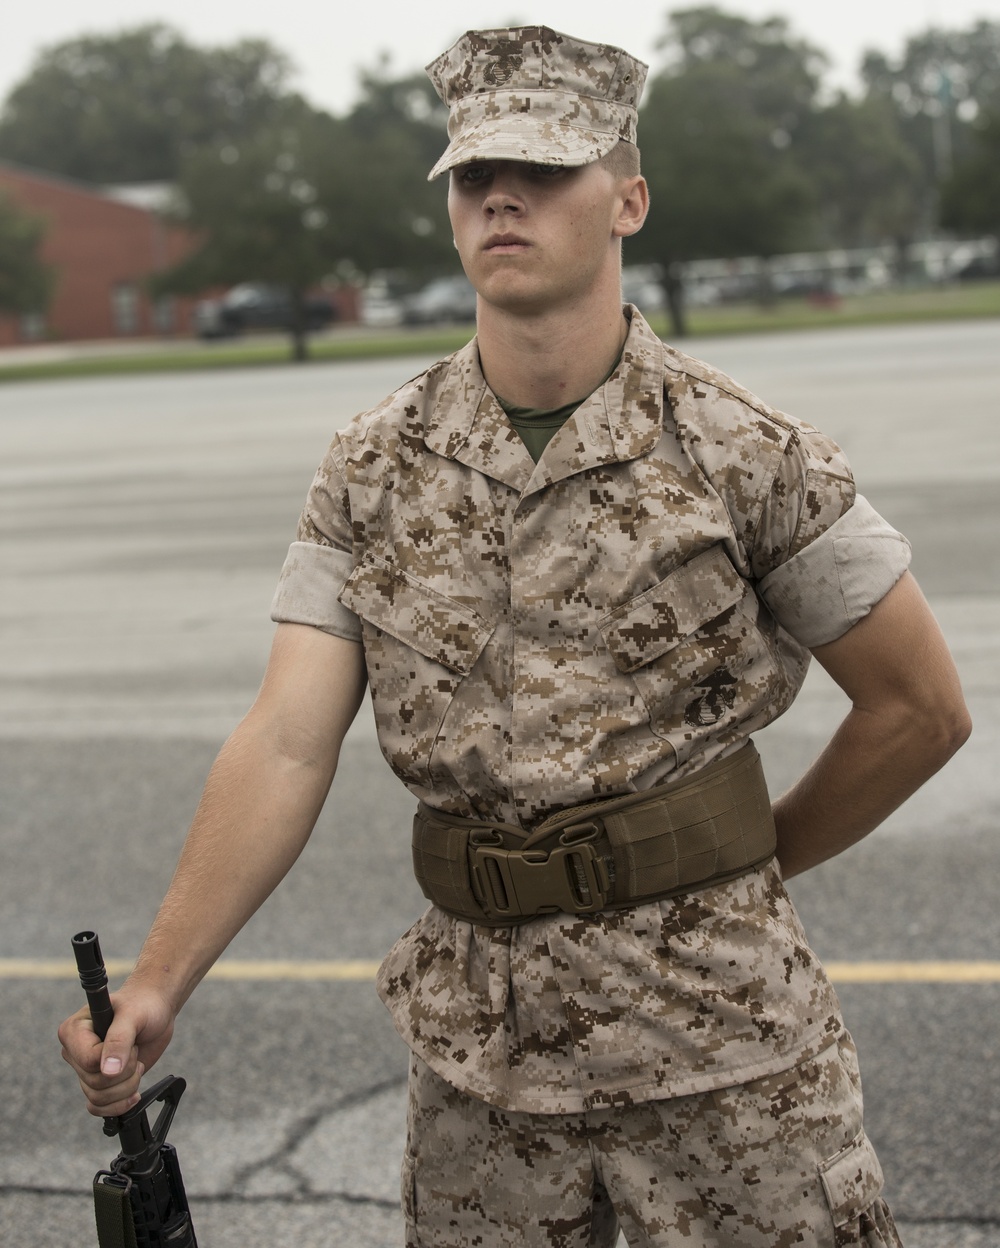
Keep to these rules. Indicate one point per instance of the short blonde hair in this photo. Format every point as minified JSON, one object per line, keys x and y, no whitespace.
{"x":622,"y":161}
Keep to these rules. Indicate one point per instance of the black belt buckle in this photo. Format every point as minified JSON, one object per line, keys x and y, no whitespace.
{"x":517,"y":884}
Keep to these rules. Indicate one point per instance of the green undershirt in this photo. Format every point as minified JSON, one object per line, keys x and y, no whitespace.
{"x":537,"y":426}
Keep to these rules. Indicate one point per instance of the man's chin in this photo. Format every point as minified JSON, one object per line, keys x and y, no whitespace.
{"x":514,"y":298}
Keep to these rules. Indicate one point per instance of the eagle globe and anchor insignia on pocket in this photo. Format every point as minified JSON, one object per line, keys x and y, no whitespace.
{"x":715,"y":695}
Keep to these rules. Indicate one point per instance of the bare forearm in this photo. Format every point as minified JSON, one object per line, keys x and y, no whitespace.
{"x":868,"y":769}
{"x":907,"y":718}
{"x":256,"y":814}
{"x":259,"y":806}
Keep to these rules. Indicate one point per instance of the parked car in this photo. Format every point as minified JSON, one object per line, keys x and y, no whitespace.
{"x":380,"y":305}
{"x":979,"y":269}
{"x":444,"y":299}
{"x":453,"y":299}
{"x":815,"y":288}
{"x":254,"y":305}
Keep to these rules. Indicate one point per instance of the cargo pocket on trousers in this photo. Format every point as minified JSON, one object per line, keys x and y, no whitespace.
{"x":408,"y":1189}
{"x":852,"y":1180}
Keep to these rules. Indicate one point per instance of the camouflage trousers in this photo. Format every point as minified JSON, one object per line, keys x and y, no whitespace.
{"x":777,"y":1162}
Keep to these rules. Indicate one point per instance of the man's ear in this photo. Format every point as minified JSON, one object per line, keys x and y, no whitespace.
{"x":633,"y":207}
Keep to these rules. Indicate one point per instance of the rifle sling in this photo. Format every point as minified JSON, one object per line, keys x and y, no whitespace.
{"x":113,"y":1211}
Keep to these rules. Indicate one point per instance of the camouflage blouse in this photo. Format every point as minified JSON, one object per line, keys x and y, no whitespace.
{"x":612,"y":618}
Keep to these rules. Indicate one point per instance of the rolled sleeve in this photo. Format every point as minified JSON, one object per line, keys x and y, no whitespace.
{"x":835,"y":580}
{"x":308,"y":590}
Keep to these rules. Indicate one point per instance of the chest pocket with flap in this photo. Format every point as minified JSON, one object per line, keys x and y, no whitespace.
{"x":688,"y":642}
{"x":411,"y":612}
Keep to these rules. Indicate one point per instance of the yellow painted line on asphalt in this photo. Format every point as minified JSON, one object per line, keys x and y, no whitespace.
{"x":294,"y":970}
{"x":362,"y":970}
{"x":65,"y":968}
{"x":53,"y":968}
{"x":914,"y":972}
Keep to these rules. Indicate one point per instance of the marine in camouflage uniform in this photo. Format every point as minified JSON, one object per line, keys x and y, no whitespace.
{"x":537,"y":635}
{"x":610,"y":619}
{"x":613,"y":614}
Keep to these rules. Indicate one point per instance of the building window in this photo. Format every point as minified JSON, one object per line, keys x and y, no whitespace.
{"x":125,"y":308}
{"x":32,"y":326}
{"x":165,"y":314}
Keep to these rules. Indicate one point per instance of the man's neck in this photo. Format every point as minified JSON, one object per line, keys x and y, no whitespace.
{"x":549,"y":360}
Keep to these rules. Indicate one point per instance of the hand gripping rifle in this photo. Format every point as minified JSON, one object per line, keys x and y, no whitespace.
{"x":140,"y":1201}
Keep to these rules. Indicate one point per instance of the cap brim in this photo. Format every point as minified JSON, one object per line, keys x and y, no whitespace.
{"x":542,"y":143}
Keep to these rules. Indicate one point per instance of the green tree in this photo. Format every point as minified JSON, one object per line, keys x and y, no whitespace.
{"x":261,"y":215}
{"x":721,"y":133}
{"x":25,"y":281}
{"x":866,"y":174}
{"x":970,"y":200}
{"x":781,"y":71}
{"x":317,"y":196}
{"x":941,"y":83}
{"x":129,"y":107}
{"x":395,"y":133}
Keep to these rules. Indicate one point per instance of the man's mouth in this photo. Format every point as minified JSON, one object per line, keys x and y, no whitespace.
{"x":503,"y":241}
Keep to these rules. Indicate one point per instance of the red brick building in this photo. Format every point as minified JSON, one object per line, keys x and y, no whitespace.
{"x":102,"y":249}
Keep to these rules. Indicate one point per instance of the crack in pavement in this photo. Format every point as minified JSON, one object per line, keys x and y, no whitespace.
{"x":350,"y":1198}
{"x":295,"y":1133}
{"x":221,"y":1198}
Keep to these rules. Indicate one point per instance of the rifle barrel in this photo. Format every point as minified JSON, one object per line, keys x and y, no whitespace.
{"x":94,"y":980}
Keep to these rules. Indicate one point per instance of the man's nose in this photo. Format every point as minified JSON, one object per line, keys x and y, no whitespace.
{"x":503,"y":195}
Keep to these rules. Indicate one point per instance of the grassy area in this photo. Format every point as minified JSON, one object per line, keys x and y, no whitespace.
{"x":974,"y":300}
{"x":246,"y":353}
{"x":970,"y":301}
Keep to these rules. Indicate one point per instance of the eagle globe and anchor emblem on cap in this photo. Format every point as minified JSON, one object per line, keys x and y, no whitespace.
{"x":507,"y":59}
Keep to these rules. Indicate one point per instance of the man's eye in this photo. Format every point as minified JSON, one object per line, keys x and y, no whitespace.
{"x":470,"y":174}
{"x":546,"y":171}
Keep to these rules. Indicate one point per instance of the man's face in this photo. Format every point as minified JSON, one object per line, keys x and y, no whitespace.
{"x":534,"y":237}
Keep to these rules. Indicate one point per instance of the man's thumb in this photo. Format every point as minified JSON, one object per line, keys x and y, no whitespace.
{"x":118,"y":1046}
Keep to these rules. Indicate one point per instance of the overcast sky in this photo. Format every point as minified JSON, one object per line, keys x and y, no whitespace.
{"x":330,"y":41}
